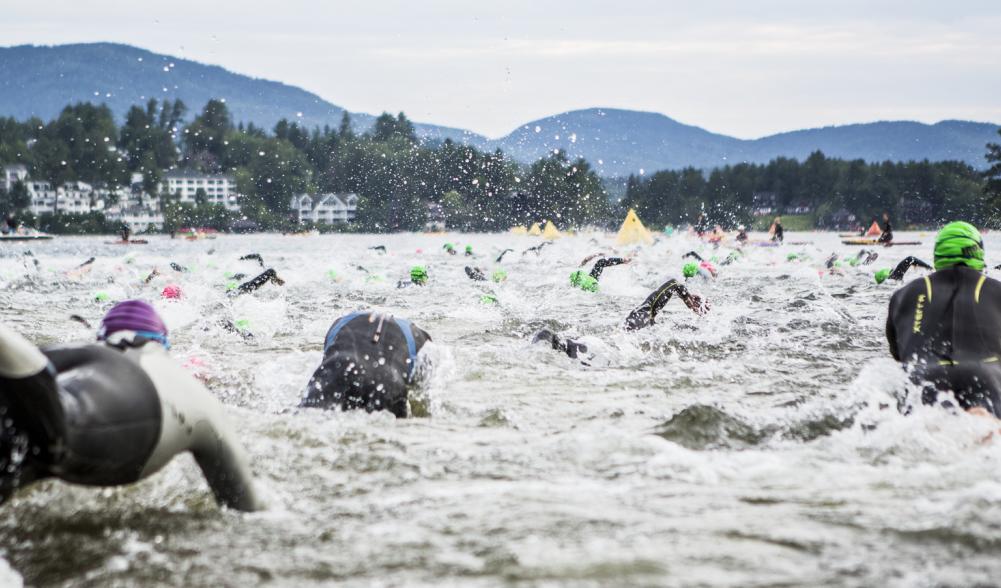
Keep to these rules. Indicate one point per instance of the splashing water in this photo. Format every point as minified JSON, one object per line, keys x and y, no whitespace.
{"x":757,"y":445}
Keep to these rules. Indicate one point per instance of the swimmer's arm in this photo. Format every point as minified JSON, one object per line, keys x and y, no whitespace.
{"x":224,"y":465}
{"x":662,"y":296}
{"x":902,"y":267}
{"x":692,"y":254}
{"x":601,"y":264}
{"x":891,"y":333}
{"x":589,"y":258}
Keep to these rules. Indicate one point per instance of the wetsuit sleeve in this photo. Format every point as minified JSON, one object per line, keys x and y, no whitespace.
{"x":902,"y":267}
{"x":692,"y":254}
{"x":891,"y":330}
{"x":601,"y":264}
{"x":28,"y":386}
{"x":268,"y":276}
{"x":646,"y":314}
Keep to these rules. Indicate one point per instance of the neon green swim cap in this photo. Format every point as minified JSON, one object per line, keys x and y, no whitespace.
{"x":691,"y":268}
{"x":500,"y":276}
{"x":418,"y":275}
{"x":488,"y":299}
{"x":588,"y":284}
{"x":576,"y":277}
{"x":242,"y":324}
{"x":792,"y":257}
{"x":232,"y":285}
{"x":853,"y":261}
{"x":101,"y":297}
{"x":469,"y":248}
{"x":881,"y":275}
{"x":959,"y":243}
{"x":448,"y":247}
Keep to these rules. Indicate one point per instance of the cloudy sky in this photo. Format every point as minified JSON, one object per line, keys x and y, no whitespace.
{"x":741,"y":67}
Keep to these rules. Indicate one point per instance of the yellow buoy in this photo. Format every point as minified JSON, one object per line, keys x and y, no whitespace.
{"x":551,"y":233}
{"x":535,"y":231}
{"x":633,"y":232}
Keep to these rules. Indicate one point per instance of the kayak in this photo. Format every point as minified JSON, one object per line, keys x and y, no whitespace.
{"x":35,"y":237}
{"x":875,"y":242}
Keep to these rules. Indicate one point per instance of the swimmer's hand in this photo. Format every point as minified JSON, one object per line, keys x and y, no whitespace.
{"x":696,"y":303}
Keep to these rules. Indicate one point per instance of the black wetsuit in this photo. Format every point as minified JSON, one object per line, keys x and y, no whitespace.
{"x":742,"y":236}
{"x":947,"y":329}
{"x":646,"y":314}
{"x":569,"y":346}
{"x":902,"y":267}
{"x":369,"y":362}
{"x":779,"y":233}
{"x":887,"y":235}
{"x":693,"y":255}
{"x":254,"y":284}
{"x":253,"y":257}
{"x":502,"y":254}
{"x":475,"y":274}
{"x":601,"y":264}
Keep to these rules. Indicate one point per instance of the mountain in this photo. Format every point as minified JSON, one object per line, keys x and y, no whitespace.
{"x":40,"y":81}
{"x":620,"y":142}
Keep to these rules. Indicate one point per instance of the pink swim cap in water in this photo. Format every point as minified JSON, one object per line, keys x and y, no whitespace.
{"x":172,"y":292}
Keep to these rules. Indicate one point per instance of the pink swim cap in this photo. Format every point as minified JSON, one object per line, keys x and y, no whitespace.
{"x":172,"y":292}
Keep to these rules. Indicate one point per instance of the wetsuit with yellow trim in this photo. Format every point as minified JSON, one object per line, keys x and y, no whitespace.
{"x":946,"y":328}
{"x":646,"y":314}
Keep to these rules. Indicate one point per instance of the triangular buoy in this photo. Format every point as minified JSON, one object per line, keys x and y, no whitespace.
{"x":874,"y":230}
{"x":519,"y":231}
{"x":534,"y":230}
{"x":551,"y":233}
{"x":633,"y":232}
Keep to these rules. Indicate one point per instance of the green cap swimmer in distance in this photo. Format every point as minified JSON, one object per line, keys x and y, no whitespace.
{"x":418,"y":275}
{"x":690,"y":269}
{"x":500,"y":276}
{"x":584,"y":281}
{"x":881,"y":275}
{"x":959,"y":243}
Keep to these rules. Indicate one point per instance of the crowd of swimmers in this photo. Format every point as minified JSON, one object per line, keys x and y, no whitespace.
{"x":117,"y":410}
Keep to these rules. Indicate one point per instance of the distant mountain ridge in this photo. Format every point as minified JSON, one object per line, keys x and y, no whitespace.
{"x":40,"y":81}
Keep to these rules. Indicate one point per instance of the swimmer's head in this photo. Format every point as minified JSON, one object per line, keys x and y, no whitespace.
{"x":576,"y":277}
{"x":882,"y":275}
{"x":172,"y":292}
{"x":136,"y":316}
{"x":690,"y":269}
{"x":418,"y":275}
{"x":500,"y":276}
{"x":959,"y":243}
{"x":469,"y":249}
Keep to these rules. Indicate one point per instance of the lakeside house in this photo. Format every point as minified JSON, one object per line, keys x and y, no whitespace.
{"x":218,"y":188}
{"x":324,"y":209}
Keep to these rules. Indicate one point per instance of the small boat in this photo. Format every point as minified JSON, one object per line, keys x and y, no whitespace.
{"x":875,"y":242}
{"x":24,"y":234}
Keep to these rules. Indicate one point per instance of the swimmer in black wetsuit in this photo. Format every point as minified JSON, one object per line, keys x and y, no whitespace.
{"x":370,"y":362}
{"x":572,"y":348}
{"x":646,"y":314}
{"x":253,"y":257}
{"x":589,"y":282}
{"x":475,"y":274}
{"x":112,"y":414}
{"x":778,"y":234}
{"x":898,"y":272}
{"x":946,"y":328}
{"x":254,"y":284}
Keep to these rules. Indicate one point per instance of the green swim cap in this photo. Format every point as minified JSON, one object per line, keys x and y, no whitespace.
{"x":959,"y":243}
{"x":101,"y":297}
{"x":881,"y":275}
{"x":690,"y":269}
{"x":242,"y":324}
{"x":488,"y":299}
{"x":232,"y":285}
{"x":228,"y":275}
{"x":853,"y":261}
{"x":588,"y":284}
{"x":448,"y":247}
{"x":576,"y":277}
{"x":418,"y":275}
{"x":332,"y":274}
{"x":792,"y":257}
{"x":500,"y":276}
{"x":469,"y":248}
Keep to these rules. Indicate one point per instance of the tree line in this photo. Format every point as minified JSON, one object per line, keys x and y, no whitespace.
{"x":403,"y":182}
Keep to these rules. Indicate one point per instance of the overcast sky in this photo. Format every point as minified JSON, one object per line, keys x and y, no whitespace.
{"x":741,"y":67}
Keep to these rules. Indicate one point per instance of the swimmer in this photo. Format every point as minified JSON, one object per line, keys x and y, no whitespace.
{"x":898,"y":272}
{"x":778,"y":234}
{"x":475,"y":274}
{"x":572,"y":348}
{"x":178,"y":268}
{"x":502,"y":254}
{"x":449,"y":248}
{"x":255,"y":284}
{"x":646,"y":314}
{"x":418,"y":277}
{"x":253,"y":257}
{"x":887,"y":236}
{"x":944,"y":328}
{"x":113,"y":413}
{"x":469,"y":250}
{"x":589,"y":282}
{"x":703,"y":269}
{"x":370,"y":362}
{"x":538,"y":248}
{"x":379,"y":248}
{"x":741,"y":235}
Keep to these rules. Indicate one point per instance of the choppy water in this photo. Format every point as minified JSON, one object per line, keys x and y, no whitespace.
{"x":759,"y":445}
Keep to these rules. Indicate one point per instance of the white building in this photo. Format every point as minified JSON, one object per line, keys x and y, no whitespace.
{"x":71,"y":197}
{"x":138,"y":218}
{"x":13,"y":174}
{"x":324,"y":209}
{"x":219,"y":188}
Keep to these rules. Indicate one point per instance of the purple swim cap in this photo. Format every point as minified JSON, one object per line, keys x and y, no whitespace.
{"x":131,"y":315}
